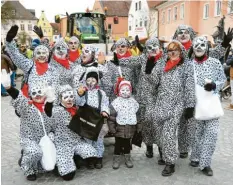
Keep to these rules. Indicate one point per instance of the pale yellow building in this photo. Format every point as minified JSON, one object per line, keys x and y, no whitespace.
{"x":45,"y":26}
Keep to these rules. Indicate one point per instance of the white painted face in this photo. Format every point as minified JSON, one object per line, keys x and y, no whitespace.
{"x":152,"y":47}
{"x":200,"y":46}
{"x":87,"y":54}
{"x":122,"y":46}
{"x":183,"y":36}
{"x":67,"y":99}
{"x":73,"y":43}
{"x":125,"y":91}
{"x":61,"y":50}
{"x":91,"y":83}
{"x":37,"y":94}
{"x":41,"y":54}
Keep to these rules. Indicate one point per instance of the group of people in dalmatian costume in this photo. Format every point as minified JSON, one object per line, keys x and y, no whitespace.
{"x":152,"y":94}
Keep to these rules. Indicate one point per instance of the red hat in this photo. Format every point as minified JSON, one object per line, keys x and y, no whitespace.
{"x":122,"y":83}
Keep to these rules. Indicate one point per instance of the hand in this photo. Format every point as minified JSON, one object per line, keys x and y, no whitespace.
{"x":12,"y":33}
{"x":50,"y":94}
{"x":115,"y":60}
{"x":188,"y":113}
{"x":139,"y":46}
{"x":104,"y":114}
{"x":150,"y":65}
{"x":38,"y":31}
{"x":210,"y":86}
{"x":6,"y":79}
{"x":227,"y":38}
{"x":81,"y":90}
{"x":101,"y":58}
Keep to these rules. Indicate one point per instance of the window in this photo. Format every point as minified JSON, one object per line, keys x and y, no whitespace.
{"x":230,"y":6}
{"x":140,"y":23}
{"x":175,"y":13}
{"x":169,"y":15}
{"x":22,"y":27}
{"x":145,"y":23}
{"x":29,"y":27}
{"x":13,"y":12}
{"x":163,"y":17}
{"x":42,"y":19}
{"x":109,"y":26}
{"x":129,"y":28}
{"x":206,"y":11}
{"x":136,"y":6}
{"x":218,"y":7}
{"x":44,"y":30}
{"x":182,"y":11}
{"x":44,"y":24}
{"x":139,"y":5}
{"x":136,"y":23}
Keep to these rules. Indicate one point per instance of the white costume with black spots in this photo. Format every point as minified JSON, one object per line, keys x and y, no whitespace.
{"x":207,"y":131}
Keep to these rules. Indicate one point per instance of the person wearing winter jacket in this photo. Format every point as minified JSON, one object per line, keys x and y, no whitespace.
{"x":123,"y":123}
{"x":31,"y":129}
{"x":209,"y":74}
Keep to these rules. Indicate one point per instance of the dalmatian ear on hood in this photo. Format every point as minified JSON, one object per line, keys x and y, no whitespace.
{"x":100,"y":74}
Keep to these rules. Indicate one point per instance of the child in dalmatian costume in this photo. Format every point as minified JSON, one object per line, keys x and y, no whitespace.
{"x":31,"y":129}
{"x":74,"y":54}
{"x":88,"y":93}
{"x":123,"y":123}
{"x":146,"y":94}
{"x":206,"y":67}
{"x":174,"y":82}
{"x":88,"y":60}
{"x":67,"y":142}
{"x":38,"y":67}
{"x":185,"y":35}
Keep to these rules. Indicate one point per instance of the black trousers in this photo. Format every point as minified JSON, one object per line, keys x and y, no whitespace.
{"x":122,"y":146}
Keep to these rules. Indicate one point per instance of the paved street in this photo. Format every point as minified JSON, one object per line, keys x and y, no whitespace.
{"x":145,"y":171}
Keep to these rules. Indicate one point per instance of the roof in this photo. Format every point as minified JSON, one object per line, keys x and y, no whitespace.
{"x":55,"y":26}
{"x":20,"y":11}
{"x":116,"y":8}
{"x":153,"y":4}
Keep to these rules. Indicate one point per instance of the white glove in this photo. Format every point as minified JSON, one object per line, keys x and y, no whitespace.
{"x":50,"y":94}
{"x":6,"y":79}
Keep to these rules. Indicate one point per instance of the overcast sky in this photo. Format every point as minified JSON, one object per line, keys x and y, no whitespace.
{"x":53,"y":7}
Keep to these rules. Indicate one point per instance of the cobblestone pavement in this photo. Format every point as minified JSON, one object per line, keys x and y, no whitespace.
{"x":145,"y":171}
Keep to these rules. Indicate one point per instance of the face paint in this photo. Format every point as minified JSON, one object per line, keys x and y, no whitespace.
{"x":200,"y":46}
{"x":122,"y":46}
{"x":91,"y":83}
{"x":73,"y":43}
{"x":41,"y":54}
{"x":37,"y":94}
{"x":125,"y":91}
{"x":61,"y":50}
{"x":183,"y":36}
{"x":87,"y":54}
{"x":152,"y":47}
{"x":67,"y":99}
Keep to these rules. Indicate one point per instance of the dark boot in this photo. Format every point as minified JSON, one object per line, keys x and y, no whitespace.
{"x":116,"y":161}
{"x":91,"y":163}
{"x":168,"y":170}
{"x":194,"y":163}
{"x":31,"y":177}
{"x":20,"y":159}
{"x":55,"y":171}
{"x":68,"y":176}
{"x":77,"y":161}
{"x":99,"y":163}
{"x":207,"y":171}
{"x":149,"y":151}
{"x":161,"y":161}
{"x":184,"y":155}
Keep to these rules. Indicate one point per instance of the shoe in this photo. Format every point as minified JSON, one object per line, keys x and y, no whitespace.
{"x":99,"y":163}
{"x":20,"y":159}
{"x":116,"y":161}
{"x":230,"y":107}
{"x":149,"y":151}
{"x":207,"y":171}
{"x":194,"y":163}
{"x":91,"y":163}
{"x":168,"y":170}
{"x":184,"y":155}
{"x":128,"y":161}
{"x":160,"y":161}
{"x":77,"y":161}
{"x":31,"y":177}
{"x":4,"y":94}
{"x":68,"y":176}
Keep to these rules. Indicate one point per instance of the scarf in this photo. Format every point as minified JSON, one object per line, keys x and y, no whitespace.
{"x":73,"y":55}
{"x":171,"y":64}
{"x":63,"y":62}
{"x":157,"y":57}
{"x":72,"y":110}
{"x":200,"y":60}
{"x":39,"y":106}
{"x":41,"y":68}
{"x":187,"y":45}
{"x":126,"y":55}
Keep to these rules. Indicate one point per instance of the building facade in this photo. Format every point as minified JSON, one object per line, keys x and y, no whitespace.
{"x":203,"y":16}
{"x":14,"y":13}
{"x":45,"y":26}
